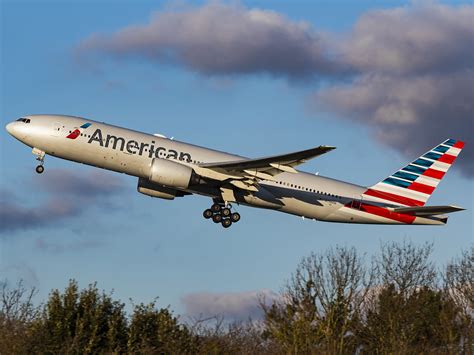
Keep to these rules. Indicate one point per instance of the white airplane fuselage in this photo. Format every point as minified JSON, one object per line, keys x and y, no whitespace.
{"x":130,"y":152}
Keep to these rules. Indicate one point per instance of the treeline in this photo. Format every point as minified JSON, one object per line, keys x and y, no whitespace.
{"x":336,"y":302}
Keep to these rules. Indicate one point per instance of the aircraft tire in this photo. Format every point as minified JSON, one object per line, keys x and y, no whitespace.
{"x":39,"y":169}
{"x":207,"y":214}
{"x":235,"y":217}
{"x":226,"y":212}
{"x":217,"y":218}
{"x":216,"y":207}
{"x":226,"y":223}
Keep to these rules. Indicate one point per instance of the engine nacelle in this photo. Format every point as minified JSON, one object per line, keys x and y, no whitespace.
{"x":169,"y":173}
{"x":154,"y":190}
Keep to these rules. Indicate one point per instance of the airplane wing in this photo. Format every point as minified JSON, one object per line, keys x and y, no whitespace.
{"x":246,"y":173}
{"x":428,"y":210}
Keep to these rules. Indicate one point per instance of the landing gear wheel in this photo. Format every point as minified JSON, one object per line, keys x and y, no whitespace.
{"x":221,"y":212}
{"x":216,"y":207}
{"x":207,"y":214}
{"x":39,"y":169}
{"x":226,"y":212}
{"x":216,"y":218}
{"x":235,"y":217}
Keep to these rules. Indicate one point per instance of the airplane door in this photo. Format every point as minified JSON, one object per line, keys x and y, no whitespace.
{"x":357,"y":203}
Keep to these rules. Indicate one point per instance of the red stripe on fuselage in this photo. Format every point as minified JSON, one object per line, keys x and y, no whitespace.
{"x":394,"y":198}
{"x":447,"y":158}
{"x":416,"y":186}
{"x":434,"y":173}
{"x":382,"y":212}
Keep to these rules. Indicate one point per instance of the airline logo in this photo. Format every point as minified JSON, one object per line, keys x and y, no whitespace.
{"x":413,"y":184}
{"x":135,"y":147}
{"x":74,"y":134}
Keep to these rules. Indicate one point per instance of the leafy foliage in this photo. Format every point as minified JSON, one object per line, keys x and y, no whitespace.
{"x":158,"y":331}
{"x":334,"y":303}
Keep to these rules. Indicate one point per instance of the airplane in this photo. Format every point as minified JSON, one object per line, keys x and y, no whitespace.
{"x":167,"y":168}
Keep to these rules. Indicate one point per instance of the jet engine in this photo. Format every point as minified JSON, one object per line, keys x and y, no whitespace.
{"x":149,"y":188}
{"x":169,"y":173}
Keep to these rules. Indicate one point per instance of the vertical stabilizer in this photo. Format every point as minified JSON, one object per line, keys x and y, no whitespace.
{"x":414,"y":184}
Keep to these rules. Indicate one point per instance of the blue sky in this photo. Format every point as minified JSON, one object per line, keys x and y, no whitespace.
{"x":143,"y":248}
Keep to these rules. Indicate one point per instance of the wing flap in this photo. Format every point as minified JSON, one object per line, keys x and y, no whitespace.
{"x":428,"y":210}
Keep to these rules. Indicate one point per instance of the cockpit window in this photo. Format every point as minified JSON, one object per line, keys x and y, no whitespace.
{"x":25,"y":120}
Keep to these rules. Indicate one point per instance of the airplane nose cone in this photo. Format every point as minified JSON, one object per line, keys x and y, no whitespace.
{"x":10,"y":128}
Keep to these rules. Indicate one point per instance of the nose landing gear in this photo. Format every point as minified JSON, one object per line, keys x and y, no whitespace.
{"x":40,"y":157}
{"x":39,"y":169}
{"x":222,"y":213}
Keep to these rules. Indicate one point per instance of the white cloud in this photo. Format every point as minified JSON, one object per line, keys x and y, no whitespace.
{"x":236,"y":306}
{"x":406,"y":72}
{"x":217,"y":38}
{"x":68,"y":195}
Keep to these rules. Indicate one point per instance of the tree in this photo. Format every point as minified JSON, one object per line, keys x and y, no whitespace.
{"x":333,"y":303}
{"x":459,"y":286}
{"x":216,"y":336}
{"x":17,"y":311}
{"x":319,"y":307}
{"x":406,"y":311}
{"x":406,"y":266}
{"x":155,"y":330}
{"x":84,"y":322}
{"x":422,"y":322}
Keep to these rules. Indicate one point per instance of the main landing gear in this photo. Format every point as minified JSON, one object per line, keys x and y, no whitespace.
{"x":40,"y":157}
{"x":222,"y":213}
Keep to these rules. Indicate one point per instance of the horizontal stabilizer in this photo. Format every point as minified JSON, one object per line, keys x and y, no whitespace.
{"x":427,"y":210}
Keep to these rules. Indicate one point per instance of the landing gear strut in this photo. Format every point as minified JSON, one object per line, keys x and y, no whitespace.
{"x":40,"y":157}
{"x":221,"y":213}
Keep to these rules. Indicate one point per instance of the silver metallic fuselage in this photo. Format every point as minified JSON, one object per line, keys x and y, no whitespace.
{"x":301,"y":194}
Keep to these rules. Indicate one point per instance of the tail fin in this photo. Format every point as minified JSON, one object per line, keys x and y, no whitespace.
{"x":414,"y":184}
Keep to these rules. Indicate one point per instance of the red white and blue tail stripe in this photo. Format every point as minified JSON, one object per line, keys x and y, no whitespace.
{"x":414,"y":184}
